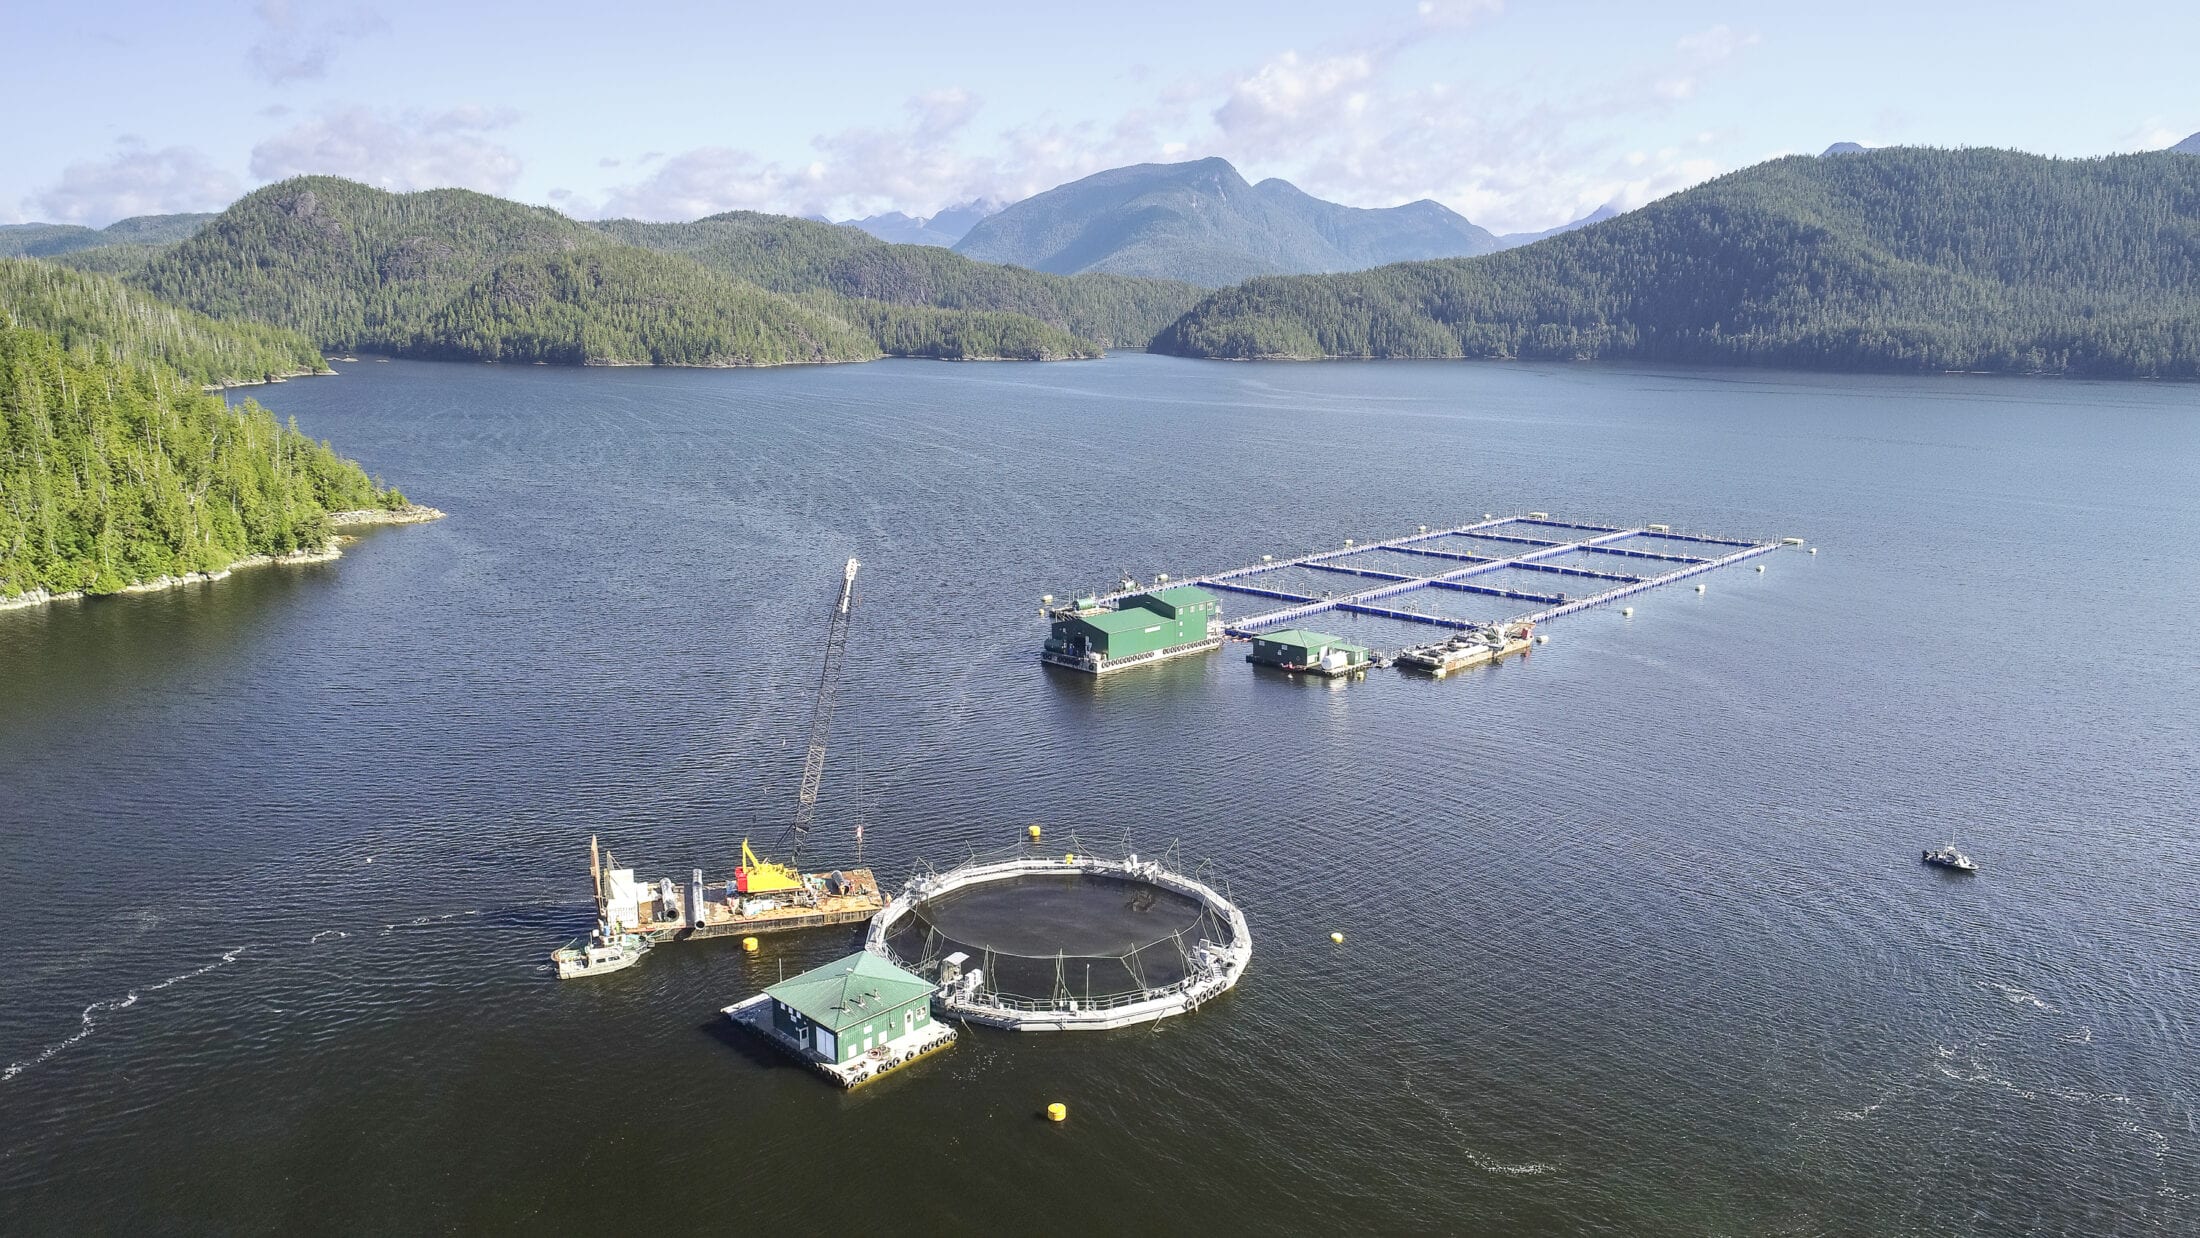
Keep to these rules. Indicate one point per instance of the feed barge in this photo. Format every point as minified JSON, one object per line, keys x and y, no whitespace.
{"x":1137,"y":628}
{"x":1213,"y":960}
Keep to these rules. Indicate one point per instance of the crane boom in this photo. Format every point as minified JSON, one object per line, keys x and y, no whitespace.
{"x":821,"y":709}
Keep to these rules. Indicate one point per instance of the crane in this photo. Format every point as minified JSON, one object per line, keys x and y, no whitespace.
{"x":760,"y":876}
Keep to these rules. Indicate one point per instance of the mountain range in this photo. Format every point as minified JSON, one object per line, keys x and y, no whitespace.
{"x":457,"y":274}
{"x":1890,"y":258}
{"x":943,"y":229}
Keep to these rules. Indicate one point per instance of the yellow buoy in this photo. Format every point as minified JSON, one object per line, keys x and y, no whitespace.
{"x":1337,"y":937}
{"x":1627,"y":610}
{"x":749,"y":944}
{"x":1034,"y":831}
{"x":1699,"y":588}
{"x":1760,"y":567}
{"x":1057,"y":1112}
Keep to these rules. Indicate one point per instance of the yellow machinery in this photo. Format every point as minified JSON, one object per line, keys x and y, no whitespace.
{"x":756,"y":876}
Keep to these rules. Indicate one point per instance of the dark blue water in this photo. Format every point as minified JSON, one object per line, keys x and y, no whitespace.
{"x":1636,"y":936}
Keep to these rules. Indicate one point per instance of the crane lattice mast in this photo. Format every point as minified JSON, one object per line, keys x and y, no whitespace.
{"x":821,"y":711}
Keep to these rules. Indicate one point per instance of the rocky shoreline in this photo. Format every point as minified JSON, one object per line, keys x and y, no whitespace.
{"x":411,"y":513}
{"x":283,"y":377}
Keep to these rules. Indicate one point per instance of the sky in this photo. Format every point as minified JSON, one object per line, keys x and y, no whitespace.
{"x":1519,"y":115}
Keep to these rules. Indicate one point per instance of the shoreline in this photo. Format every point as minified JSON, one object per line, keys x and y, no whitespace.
{"x":327,"y":552}
{"x":324,"y":372}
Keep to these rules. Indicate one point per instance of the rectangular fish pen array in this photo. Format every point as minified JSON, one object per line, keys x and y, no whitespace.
{"x":1531,"y":567}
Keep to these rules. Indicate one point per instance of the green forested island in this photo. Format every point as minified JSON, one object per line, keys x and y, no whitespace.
{"x":1900,"y":259}
{"x":116,"y":468}
{"x":456,"y":274}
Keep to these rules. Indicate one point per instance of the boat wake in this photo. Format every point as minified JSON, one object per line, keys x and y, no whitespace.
{"x":324,"y":935}
{"x":428,"y":921}
{"x":1480,"y":1160}
{"x":2016,"y":996}
{"x":90,"y":1017}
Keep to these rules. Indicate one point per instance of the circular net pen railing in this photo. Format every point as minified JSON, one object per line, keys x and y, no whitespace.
{"x":1043,"y":937}
{"x":1032,"y":940}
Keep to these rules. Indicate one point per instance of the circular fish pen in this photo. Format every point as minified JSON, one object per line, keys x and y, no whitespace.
{"x":1040,"y":944}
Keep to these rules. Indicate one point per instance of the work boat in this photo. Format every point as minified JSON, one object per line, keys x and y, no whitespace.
{"x":601,"y":951}
{"x":1949,"y":857}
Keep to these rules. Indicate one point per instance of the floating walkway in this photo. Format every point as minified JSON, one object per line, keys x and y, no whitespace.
{"x":1610,"y":561}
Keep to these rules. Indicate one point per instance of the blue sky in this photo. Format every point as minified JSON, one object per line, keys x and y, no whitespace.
{"x":1519,"y":115}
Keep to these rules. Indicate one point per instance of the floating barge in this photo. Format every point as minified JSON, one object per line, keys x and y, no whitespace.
{"x":1477,"y":647}
{"x":666,"y":910}
{"x":1133,"y":628}
{"x":851,"y":1021}
{"x":1311,"y":653}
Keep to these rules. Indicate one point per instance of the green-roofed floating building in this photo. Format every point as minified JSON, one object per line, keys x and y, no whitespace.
{"x":1319,"y":653}
{"x":851,"y":1020}
{"x":1138,"y":629}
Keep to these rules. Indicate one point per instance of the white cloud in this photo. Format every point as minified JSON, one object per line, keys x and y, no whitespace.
{"x":297,"y":45}
{"x":1284,"y":95}
{"x":398,"y":151}
{"x":1340,"y":121}
{"x":135,"y":180}
{"x":861,"y":171}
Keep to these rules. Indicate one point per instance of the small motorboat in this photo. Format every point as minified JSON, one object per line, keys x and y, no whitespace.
{"x":1949,"y":857}
{"x":602,"y":951}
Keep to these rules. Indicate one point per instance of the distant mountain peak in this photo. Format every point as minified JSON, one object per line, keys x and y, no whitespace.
{"x":1844,"y":148}
{"x":1199,"y":220}
{"x":2190,"y":146}
{"x":943,"y":228}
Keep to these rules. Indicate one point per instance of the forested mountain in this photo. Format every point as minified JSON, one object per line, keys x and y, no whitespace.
{"x":348,"y":265}
{"x":1890,"y":259}
{"x":800,"y":256}
{"x":430,"y":274}
{"x":93,"y":313}
{"x":1201,"y":222}
{"x":116,"y":469}
{"x":617,"y":305}
{"x":2190,"y":146}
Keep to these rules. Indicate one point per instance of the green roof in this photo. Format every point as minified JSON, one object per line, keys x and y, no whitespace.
{"x":840,"y":995}
{"x":1302,"y":638}
{"x":1182,"y":595}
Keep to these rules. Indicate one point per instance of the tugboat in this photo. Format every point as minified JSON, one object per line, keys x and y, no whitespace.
{"x":1949,"y":857}
{"x":600,"y":952}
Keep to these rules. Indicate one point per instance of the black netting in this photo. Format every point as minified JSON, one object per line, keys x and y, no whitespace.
{"x":1073,"y":935}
